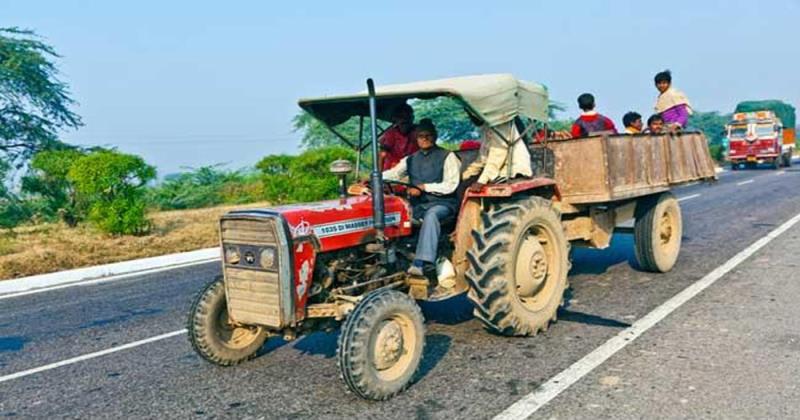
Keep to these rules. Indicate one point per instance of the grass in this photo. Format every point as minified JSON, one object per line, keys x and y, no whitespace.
{"x":49,"y":247}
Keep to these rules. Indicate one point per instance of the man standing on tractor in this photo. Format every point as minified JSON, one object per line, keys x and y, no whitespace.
{"x":434,"y":174}
{"x":399,"y":140}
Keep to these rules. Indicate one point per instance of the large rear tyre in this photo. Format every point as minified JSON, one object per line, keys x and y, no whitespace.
{"x":518,"y":266}
{"x":787,"y":160}
{"x":657,"y":232}
{"x":212,"y":334}
{"x":380,"y":345}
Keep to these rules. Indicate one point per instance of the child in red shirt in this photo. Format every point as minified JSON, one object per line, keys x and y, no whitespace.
{"x":590,"y":121}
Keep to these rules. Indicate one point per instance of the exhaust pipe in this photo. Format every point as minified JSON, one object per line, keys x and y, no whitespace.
{"x":376,"y":177}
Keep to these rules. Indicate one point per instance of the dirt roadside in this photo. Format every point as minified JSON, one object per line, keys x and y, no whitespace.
{"x":50,"y":247}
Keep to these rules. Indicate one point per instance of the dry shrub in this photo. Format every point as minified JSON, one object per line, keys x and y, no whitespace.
{"x":53,"y":247}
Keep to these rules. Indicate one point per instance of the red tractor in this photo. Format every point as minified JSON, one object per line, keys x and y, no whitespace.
{"x":296,"y":269}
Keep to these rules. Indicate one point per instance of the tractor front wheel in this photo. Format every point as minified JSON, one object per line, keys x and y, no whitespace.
{"x":380,"y":345}
{"x":518,"y":266}
{"x":214,"y":336}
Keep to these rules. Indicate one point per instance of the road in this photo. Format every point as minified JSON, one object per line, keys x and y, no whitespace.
{"x":732,"y":351}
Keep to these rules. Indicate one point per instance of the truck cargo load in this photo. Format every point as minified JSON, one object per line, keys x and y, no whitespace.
{"x":784,"y":111}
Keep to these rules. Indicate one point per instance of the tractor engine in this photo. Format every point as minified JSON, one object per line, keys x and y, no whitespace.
{"x":274,"y":260}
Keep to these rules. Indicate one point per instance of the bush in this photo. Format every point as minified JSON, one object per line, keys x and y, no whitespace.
{"x":112,"y":184}
{"x":302,"y":178}
{"x":13,"y":211}
{"x":717,"y":152}
{"x":47,"y":181}
{"x":204,"y":187}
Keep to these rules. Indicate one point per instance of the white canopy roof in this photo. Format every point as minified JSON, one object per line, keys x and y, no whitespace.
{"x":496,"y":98}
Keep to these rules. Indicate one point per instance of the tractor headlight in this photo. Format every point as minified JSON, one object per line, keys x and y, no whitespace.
{"x":232,"y":255}
{"x":267,"y":258}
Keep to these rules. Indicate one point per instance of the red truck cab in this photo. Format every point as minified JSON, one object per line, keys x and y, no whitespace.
{"x":756,"y":138}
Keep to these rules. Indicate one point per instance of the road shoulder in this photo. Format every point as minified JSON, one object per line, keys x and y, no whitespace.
{"x":732,"y":352}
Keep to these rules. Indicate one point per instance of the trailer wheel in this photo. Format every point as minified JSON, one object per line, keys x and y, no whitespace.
{"x":657,"y":232}
{"x":213,"y":336}
{"x":380,"y":345}
{"x":518,"y":266}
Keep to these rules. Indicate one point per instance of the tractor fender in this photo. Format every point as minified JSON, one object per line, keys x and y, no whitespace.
{"x":515,"y":187}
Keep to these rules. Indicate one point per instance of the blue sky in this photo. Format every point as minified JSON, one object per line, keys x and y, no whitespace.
{"x":192,"y":83}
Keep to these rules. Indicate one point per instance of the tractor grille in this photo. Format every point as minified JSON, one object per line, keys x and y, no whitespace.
{"x":253,"y":291}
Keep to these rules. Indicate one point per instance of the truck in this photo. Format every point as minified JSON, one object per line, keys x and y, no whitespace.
{"x":294,"y":269}
{"x":761,"y":132}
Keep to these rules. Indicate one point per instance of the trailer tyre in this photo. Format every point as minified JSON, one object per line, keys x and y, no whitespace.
{"x":657,"y":232}
{"x":380,"y":345}
{"x":518,"y":266}
{"x":213,"y":336}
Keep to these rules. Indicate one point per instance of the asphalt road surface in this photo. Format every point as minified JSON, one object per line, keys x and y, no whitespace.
{"x":732,"y":351}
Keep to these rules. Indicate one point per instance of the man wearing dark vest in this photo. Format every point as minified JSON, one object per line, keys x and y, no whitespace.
{"x":435,"y":173}
{"x":590,"y":122}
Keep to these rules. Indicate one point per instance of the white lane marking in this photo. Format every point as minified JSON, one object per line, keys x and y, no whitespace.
{"x":106,"y":279}
{"x":749,"y":181}
{"x":689,"y":197}
{"x":532,"y":402}
{"x":90,"y":356}
{"x":780,"y":172}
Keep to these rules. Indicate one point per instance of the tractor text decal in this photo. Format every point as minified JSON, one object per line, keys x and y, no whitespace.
{"x":353,"y":225}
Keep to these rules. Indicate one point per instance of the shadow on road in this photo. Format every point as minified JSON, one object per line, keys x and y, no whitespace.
{"x":598,"y":261}
{"x":436,"y":347}
{"x":317,"y":343}
{"x":452,"y":311}
{"x":589,"y":319}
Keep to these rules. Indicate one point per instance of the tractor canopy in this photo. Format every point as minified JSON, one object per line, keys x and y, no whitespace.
{"x":494,"y":98}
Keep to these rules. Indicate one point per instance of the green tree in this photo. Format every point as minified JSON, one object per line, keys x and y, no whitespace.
{"x":302,"y":178}
{"x":452,"y":122}
{"x":711,"y":123}
{"x":34,"y":103}
{"x":316,"y":134}
{"x":201,"y":187}
{"x":48,"y":181}
{"x":13,"y":211}
{"x":112,"y":184}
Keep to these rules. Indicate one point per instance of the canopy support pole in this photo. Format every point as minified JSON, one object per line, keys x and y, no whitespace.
{"x":360,"y":142}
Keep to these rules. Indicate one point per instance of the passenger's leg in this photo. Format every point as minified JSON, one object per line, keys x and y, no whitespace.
{"x":429,"y":233}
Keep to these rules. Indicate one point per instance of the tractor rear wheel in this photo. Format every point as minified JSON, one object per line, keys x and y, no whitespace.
{"x":518,"y":266}
{"x":380,"y":345}
{"x":787,"y":160}
{"x":214,"y":336}
{"x":657,"y":232}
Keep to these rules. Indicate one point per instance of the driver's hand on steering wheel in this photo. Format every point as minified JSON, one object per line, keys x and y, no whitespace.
{"x":416,"y":191}
{"x":358,"y":189}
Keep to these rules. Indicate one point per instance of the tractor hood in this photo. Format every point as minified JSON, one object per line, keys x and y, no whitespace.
{"x":337,"y":224}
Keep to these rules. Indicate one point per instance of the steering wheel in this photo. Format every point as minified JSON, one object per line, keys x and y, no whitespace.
{"x":388,"y":184}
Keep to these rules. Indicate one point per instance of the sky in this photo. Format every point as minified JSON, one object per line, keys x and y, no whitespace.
{"x":195,"y":83}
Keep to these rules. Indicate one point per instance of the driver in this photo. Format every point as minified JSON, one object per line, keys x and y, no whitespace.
{"x":434,"y":174}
